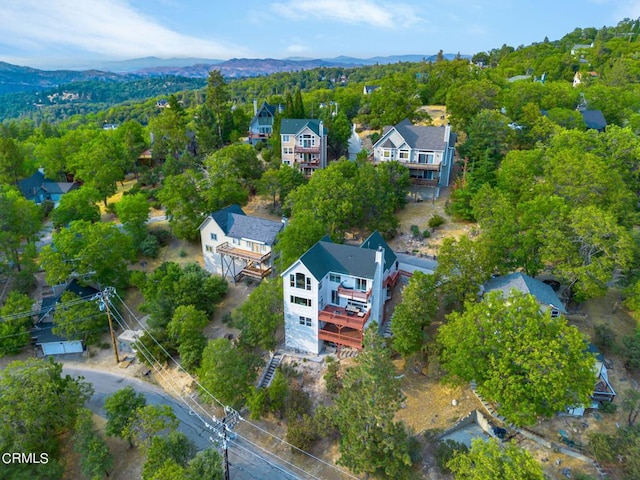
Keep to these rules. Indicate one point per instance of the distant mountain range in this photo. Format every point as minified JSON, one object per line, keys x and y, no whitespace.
{"x":15,"y":78}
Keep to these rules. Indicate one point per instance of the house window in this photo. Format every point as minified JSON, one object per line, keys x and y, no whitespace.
{"x":334,"y":297}
{"x":235,"y":241}
{"x":292,"y":280}
{"x":306,"y":321}
{"x":427,"y":158}
{"x":209,"y":248}
{"x":404,"y":155}
{"x":300,"y":301}
{"x":361,"y":284}
{"x":334,"y":278}
{"x":555,"y":313}
{"x":287,"y":150}
{"x":214,"y":237}
{"x":285,"y":138}
{"x":386,"y":153}
{"x":307,"y":140}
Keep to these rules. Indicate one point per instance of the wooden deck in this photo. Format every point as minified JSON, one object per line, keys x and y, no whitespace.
{"x":339,"y":316}
{"x":353,"y":294}
{"x":346,"y":336}
{"x":226,"y":249}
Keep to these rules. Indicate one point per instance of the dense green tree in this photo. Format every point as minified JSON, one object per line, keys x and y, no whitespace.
{"x":169,"y":131}
{"x":185,"y":207}
{"x":133,"y":212}
{"x":19,"y":222}
{"x":216,"y":100}
{"x":206,"y":464}
{"x":371,"y":442}
{"x":464,"y":265}
{"x":174,"y":447}
{"x":395,"y":100}
{"x":79,"y":319}
{"x":466,"y":100}
{"x":148,"y":422}
{"x":530,"y":364}
{"x":488,"y":460}
{"x":16,"y":323}
{"x":131,"y":135}
{"x":121,"y":410}
{"x":416,"y":311}
{"x":79,"y":204}
{"x":12,"y":161}
{"x":301,"y":233}
{"x":96,"y":250}
{"x":37,"y":406}
{"x":171,"y":286}
{"x":95,"y":458}
{"x":185,"y":328}
{"x":224,"y":182}
{"x":260,"y":317}
{"x":227,"y":372}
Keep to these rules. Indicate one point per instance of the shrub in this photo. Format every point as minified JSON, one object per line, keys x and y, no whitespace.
{"x":150,"y":246}
{"x":257,"y":402}
{"x":446,"y":450}
{"x":415,"y":231}
{"x":163,"y":235}
{"x":608,"y":407}
{"x":604,"y":337}
{"x":426,"y":234}
{"x":631,"y":349}
{"x":46,"y":207}
{"x":111,"y":208}
{"x":137,"y":278}
{"x":435,"y":221}
{"x":331,"y":378}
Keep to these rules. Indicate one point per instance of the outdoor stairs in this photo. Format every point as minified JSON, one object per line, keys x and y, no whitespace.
{"x":386,"y":331}
{"x":270,"y":370}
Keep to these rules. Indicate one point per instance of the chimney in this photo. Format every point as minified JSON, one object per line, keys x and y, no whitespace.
{"x":447,"y":133}
{"x":284,"y":221}
{"x":255,"y":107}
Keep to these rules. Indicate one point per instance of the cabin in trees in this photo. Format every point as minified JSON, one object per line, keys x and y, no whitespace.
{"x":333,"y":291}
{"x":38,"y":188}
{"x":543,"y":293}
{"x":261,"y":126}
{"x":236,"y":245}
{"x":304,"y":144}
{"x":427,"y":151}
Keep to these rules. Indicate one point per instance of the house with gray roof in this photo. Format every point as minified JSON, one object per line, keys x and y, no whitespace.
{"x":261,"y":125}
{"x":236,"y":245}
{"x":334,"y":291}
{"x":428,"y":152}
{"x":543,"y":293}
{"x":38,"y":188}
{"x":304,"y":144}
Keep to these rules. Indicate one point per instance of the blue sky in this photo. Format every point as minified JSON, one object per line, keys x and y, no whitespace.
{"x":77,"y":33}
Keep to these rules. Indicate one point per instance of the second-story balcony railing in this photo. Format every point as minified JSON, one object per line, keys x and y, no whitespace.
{"x":306,"y":149}
{"x":353,"y":294}
{"x":344,"y":318}
{"x":227,"y":249}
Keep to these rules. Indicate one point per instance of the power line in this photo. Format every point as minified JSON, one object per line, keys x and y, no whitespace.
{"x":197,"y":382}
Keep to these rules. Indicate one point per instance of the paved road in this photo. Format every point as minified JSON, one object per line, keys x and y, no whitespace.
{"x":244,"y":464}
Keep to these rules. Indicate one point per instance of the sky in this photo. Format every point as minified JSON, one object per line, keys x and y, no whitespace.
{"x":81,"y":33}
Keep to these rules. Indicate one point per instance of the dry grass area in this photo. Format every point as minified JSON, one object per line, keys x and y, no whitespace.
{"x":438,"y":114}
{"x":418,"y":213}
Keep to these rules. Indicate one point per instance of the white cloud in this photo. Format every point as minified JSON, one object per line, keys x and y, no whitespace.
{"x":109,"y":28}
{"x":369,"y":12}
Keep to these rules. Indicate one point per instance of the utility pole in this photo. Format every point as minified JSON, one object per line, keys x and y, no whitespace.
{"x":103,"y":296}
{"x":222,"y":428}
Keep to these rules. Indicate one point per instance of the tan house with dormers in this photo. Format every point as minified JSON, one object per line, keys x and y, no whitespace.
{"x":304,"y":144}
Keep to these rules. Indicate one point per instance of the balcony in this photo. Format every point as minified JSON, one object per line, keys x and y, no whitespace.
{"x":227,"y":249}
{"x":392,"y":279}
{"x":422,"y":166}
{"x":309,"y":163}
{"x":253,"y":272}
{"x":306,"y":149}
{"x":345,"y":337}
{"x":353,"y":294}
{"x":334,"y":315}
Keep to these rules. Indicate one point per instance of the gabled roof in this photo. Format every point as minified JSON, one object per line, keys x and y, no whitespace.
{"x":236,"y":224}
{"x":525,"y":284}
{"x":326,"y":256}
{"x":293,"y":126}
{"x":594,"y":119}
{"x":268,"y":108}
{"x":58,"y":187}
{"x":421,"y":138}
{"x":49,"y":303}
{"x":30,"y":185}
{"x":375,"y":241}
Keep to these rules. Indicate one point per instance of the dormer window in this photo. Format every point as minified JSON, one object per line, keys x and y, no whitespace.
{"x":555,"y":313}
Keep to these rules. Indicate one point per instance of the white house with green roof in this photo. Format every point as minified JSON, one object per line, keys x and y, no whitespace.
{"x":334,"y":291}
{"x":304,"y":144}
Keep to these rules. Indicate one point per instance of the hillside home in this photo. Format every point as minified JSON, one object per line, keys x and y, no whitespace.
{"x":236,"y":245}
{"x":38,"y":188}
{"x":594,"y":120}
{"x":304,"y":144}
{"x":369,"y":89}
{"x":428,"y":152}
{"x":543,"y":293}
{"x":333,"y":292}
{"x":261,"y":125}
